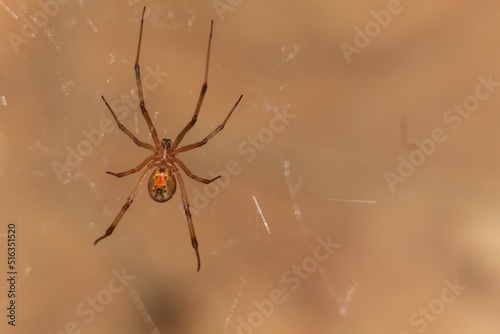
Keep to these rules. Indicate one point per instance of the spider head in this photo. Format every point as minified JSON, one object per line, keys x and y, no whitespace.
{"x":161,"y":184}
{"x":167,"y":143}
{"x":165,"y":148}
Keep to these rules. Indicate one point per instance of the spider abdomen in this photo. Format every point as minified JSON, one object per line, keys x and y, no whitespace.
{"x":161,"y":184}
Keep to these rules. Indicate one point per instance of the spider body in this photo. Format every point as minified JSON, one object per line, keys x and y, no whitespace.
{"x":162,"y":183}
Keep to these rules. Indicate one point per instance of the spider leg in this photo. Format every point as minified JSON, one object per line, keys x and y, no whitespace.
{"x":142,"y":104}
{"x":125,"y":207}
{"x":126,"y":131}
{"x":185,"y":204}
{"x":212,"y":134}
{"x":204,"y":87}
{"x":133,"y":170}
{"x":191,"y":175}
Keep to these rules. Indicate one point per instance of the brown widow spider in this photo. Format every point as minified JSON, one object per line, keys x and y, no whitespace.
{"x":162,"y":182}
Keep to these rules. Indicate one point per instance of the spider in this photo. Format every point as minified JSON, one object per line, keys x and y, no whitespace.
{"x":163,"y":160}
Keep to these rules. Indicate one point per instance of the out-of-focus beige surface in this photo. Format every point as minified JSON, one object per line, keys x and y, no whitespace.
{"x":323,"y":222}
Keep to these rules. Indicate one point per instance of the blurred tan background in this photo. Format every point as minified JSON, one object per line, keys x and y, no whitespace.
{"x":412,"y":255}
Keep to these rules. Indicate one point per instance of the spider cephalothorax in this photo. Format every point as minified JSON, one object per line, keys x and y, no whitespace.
{"x":163,"y":160}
